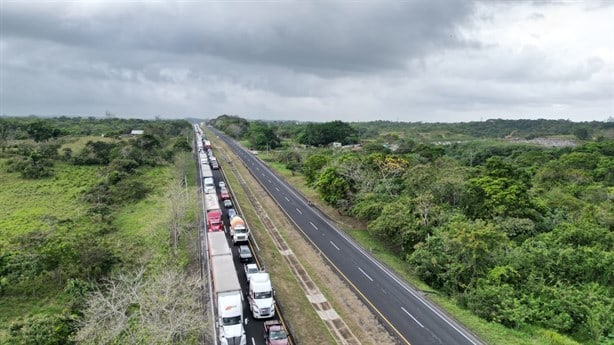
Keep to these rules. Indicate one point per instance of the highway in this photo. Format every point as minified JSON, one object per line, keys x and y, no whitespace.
{"x":254,"y":329}
{"x":411,"y":317}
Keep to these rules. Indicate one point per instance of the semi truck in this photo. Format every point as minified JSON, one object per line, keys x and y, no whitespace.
{"x":206,"y":169}
{"x":238,"y":230}
{"x":202,"y":157}
{"x":260,"y":296}
{"x":208,"y":183}
{"x":228,"y":297}
{"x":214,"y":213}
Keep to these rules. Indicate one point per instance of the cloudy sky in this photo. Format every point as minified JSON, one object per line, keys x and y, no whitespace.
{"x":430,"y":61}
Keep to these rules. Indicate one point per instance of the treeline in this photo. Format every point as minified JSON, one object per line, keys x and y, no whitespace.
{"x":268,"y":135}
{"x":494,"y":128}
{"x":75,"y":252}
{"x":520,"y":235}
{"x":25,"y":127}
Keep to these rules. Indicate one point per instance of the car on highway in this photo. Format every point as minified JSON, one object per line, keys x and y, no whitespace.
{"x":274,"y":333}
{"x":222,"y":184}
{"x":244,"y":253}
{"x":227,"y":203}
{"x":231,"y":212}
{"x":250,"y":269}
{"x":224,"y":194}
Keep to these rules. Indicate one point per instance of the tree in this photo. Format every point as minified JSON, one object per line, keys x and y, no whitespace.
{"x":177,"y":201}
{"x":497,"y":303}
{"x":396,"y":225}
{"x":181,"y":144}
{"x":312,"y":166}
{"x":502,"y":191}
{"x":34,"y":166}
{"x":95,"y":153}
{"x":582,"y":133}
{"x":468,"y":249}
{"x":319,"y":134}
{"x":262,"y":136}
{"x":42,"y":131}
{"x":134,"y":309}
{"x":332,"y":186}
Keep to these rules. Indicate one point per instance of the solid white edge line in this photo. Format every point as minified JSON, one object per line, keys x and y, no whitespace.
{"x":410,"y":315}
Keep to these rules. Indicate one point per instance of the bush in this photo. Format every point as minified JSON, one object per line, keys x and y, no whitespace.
{"x":32,"y":167}
{"x":43,"y":330}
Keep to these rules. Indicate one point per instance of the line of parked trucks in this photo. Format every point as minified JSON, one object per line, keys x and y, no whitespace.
{"x":228,"y":295}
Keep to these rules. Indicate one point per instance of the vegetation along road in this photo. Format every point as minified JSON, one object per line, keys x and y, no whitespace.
{"x":412,"y":317}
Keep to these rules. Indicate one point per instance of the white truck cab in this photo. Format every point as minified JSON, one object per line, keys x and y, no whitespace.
{"x":209,"y":185}
{"x":260,"y":296}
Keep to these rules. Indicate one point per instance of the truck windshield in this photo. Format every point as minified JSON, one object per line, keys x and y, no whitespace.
{"x":260,"y":295}
{"x":229,"y":321}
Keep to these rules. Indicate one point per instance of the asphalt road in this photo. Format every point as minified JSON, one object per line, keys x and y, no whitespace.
{"x":414,"y":319}
{"x":254,"y":330}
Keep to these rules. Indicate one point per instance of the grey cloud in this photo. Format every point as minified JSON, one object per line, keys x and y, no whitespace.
{"x":536,"y":16}
{"x":314,"y":37}
{"x":356,"y":61}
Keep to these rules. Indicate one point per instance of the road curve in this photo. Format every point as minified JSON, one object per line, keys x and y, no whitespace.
{"x":414,"y":319}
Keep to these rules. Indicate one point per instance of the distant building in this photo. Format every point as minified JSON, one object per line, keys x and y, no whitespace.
{"x":137,"y":132}
{"x":336,"y":144}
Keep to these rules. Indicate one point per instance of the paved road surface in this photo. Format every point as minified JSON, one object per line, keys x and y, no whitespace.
{"x":403,"y":310}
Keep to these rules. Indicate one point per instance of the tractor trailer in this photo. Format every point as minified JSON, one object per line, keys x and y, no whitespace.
{"x":214,"y":213}
{"x":238,"y":230}
{"x":228,"y":297}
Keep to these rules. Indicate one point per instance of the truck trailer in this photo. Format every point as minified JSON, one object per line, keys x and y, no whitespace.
{"x":207,"y":172}
{"x":214,"y":213}
{"x":228,"y":299}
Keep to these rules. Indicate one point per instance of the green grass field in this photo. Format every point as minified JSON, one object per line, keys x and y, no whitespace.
{"x":29,"y":205}
{"x":55,"y":204}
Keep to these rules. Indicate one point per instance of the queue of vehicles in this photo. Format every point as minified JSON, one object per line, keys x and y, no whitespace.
{"x":228,"y":295}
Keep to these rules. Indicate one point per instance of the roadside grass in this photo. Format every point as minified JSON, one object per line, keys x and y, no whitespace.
{"x":141,"y":226}
{"x":491,"y":333}
{"x":141,"y":238}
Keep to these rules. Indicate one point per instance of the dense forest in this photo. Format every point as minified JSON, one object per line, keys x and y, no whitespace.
{"x":518,"y":233}
{"x":92,"y":231}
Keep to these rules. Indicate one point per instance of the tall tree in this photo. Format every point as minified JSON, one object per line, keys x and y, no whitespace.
{"x":262,"y":136}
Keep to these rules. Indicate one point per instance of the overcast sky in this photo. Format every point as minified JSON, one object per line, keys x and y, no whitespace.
{"x":430,"y":61}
